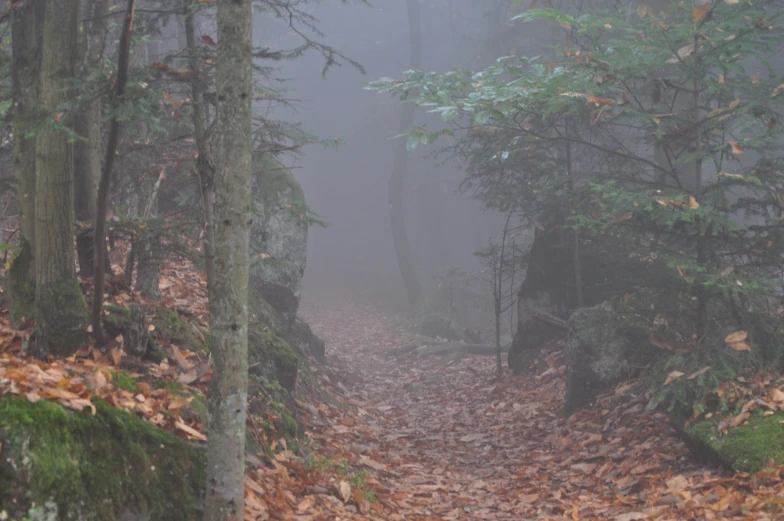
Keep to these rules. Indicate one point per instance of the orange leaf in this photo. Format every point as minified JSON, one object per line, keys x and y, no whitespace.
{"x":736,"y":148}
{"x":600,"y":102}
{"x":622,"y":219}
{"x":699,"y":13}
{"x":682,"y":273}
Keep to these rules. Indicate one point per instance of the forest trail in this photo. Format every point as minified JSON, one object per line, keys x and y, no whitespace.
{"x":448,"y":441}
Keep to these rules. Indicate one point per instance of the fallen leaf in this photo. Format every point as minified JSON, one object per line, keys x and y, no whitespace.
{"x":677,"y":483}
{"x":673,"y":376}
{"x":190,"y":432}
{"x":777,"y":395}
{"x":345,"y":491}
{"x":737,"y":336}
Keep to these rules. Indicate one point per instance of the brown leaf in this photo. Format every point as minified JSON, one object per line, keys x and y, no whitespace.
{"x":189,"y":432}
{"x":682,"y":273}
{"x":693,"y":204}
{"x":622,"y":219}
{"x":695,"y":374}
{"x":658,"y":342}
{"x":345,"y":491}
{"x":777,"y":395}
{"x":677,"y":483}
{"x":600,"y":102}
{"x":673,"y":376}
{"x":736,"y":148}
{"x":699,"y":13}
{"x":208,"y":40}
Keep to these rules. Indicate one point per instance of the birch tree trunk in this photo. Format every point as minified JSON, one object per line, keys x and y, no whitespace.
{"x":27,"y":29}
{"x":228,"y":397}
{"x":60,"y":310}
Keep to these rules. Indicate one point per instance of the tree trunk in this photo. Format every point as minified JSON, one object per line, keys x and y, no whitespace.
{"x":397,"y":215}
{"x":61,"y":313}
{"x":228,"y":397}
{"x":102,"y":201}
{"x":87,"y":151}
{"x":27,"y":30}
{"x":149,"y":247}
{"x":205,"y":168}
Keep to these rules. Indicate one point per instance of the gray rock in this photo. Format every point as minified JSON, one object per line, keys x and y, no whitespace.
{"x":603,"y":349}
{"x":279,"y":238}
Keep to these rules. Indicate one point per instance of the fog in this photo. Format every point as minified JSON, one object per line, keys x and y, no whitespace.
{"x":347,"y":186}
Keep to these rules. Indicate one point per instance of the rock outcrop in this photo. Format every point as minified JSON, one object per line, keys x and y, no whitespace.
{"x":279,"y":238}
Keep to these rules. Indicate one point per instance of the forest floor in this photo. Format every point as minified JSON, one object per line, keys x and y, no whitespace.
{"x":404,"y":437}
{"x":447,"y":440}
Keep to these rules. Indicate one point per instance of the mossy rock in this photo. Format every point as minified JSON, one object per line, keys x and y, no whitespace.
{"x":305,"y":342}
{"x":272,"y":357}
{"x":747,"y":448}
{"x":59,"y":464}
{"x":604,"y":348}
{"x":169,"y":326}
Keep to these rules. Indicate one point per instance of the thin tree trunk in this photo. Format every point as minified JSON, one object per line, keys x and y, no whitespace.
{"x":27,"y":31}
{"x":87,"y":151}
{"x":204,"y":165}
{"x":61,"y":313}
{"x":106,"y":175}
{"x":228,"y":396}
{"x":702,"y":242}
{"x":397,"y":216}
{"x":150,"y":251}
{"x":577,"y":270}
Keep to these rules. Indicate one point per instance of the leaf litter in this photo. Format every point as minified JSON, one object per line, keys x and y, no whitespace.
{"x":419,"y":438}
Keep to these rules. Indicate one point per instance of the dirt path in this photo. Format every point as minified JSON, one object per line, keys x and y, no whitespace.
{"x":448,"y":441}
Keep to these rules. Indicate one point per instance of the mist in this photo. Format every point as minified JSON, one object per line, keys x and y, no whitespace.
{"x":347,"y":186}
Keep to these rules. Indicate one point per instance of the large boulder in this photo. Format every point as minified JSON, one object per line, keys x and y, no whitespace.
{"x":607,"y":270}
{"x":604,"y":348}
{"x":279,"y":237}
{"x":745,"y":448}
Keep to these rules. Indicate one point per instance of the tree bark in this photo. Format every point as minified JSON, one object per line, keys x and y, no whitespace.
{"x":205,"y":168}
{"x":228,"y":397}
{"x":27,"y":31}
{"x":397,"y":216}
{"x":149,"y":247}
{"x":61,"y":313}
{"x":87,"y":151}
{"x":106,"y":175}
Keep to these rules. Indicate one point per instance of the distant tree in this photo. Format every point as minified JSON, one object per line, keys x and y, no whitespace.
{"x":502,"y":262}
{"x":397,"y":216}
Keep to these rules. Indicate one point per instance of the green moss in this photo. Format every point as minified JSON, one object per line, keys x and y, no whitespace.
{"x":747,"y":448}
{"x":276,"y":178}
{"x":95,"y":467}
{"x":124,"y":381}
{"x":173,"y":386}
{"x":61,"y":317}
{"x":169,"y":325}
{"x":273,"y":347}
{"x":20,"y":288}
